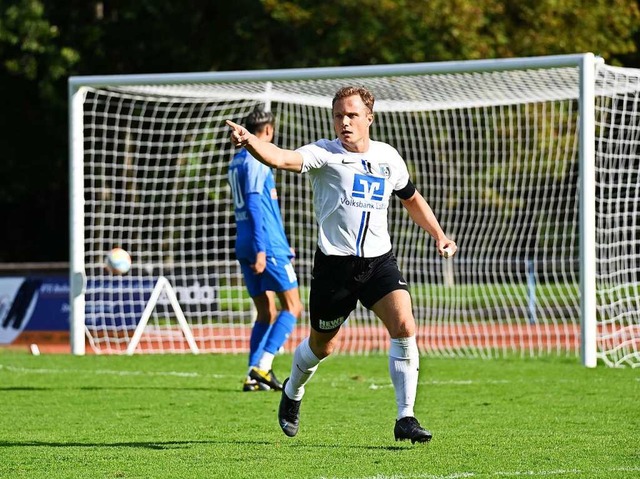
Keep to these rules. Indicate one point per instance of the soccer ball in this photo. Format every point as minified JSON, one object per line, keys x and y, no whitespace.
{"x":118,"y":261}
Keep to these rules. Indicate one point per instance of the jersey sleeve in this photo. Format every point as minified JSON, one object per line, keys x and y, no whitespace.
{"x":402,"y":173}
{"x":313,"y":156}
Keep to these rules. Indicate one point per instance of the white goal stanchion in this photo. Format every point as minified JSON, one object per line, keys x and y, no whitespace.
{"x":162,"y":285}
{"x":529,"y":163}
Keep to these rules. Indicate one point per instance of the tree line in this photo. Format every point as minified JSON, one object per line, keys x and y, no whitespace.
{"x":43,"y":42}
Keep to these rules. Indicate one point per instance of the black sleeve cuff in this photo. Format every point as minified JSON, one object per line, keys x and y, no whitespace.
{"x":406,"y":192}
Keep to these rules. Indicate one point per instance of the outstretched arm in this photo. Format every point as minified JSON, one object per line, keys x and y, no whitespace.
{"x":422,"y":214}
{"x":264,"y":151}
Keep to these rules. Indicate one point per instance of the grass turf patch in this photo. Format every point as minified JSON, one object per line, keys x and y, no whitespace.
{"x":185,"y":416}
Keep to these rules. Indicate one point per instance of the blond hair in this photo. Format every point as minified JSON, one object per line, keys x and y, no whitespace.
{"x":365,"y":95}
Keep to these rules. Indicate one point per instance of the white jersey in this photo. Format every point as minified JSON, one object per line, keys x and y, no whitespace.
{"x":351,"y":194}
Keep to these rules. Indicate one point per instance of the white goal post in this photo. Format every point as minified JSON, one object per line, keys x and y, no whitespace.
{"x":531,"y":164}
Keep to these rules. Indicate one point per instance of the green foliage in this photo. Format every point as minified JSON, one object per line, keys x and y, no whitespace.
{"x":29,"y":46}
{"x":338,"y":32}
{"x":544,"y":27}
{"x":170,"y":416}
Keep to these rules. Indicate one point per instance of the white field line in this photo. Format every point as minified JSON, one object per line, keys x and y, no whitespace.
{"x":193,"y":374}
{"x":184,"y":374}
{"x":499,"y":474}
{"x":374,"y":383}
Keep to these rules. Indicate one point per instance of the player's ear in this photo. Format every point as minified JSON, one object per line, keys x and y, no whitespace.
{"x":370,"y":118}
{"x":268,"y":130}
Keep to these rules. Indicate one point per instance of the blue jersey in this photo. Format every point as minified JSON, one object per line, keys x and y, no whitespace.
{"x":250,"y":178}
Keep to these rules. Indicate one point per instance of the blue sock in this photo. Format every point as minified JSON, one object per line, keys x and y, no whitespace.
{"x":256,"y":342}
{"x":280,"y":331}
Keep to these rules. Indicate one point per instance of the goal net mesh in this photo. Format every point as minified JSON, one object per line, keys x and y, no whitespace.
{"x":495,"y":154}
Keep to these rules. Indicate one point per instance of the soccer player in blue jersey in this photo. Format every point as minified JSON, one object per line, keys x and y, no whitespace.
{"x":264,"y":255}
{"x":353,"y":178}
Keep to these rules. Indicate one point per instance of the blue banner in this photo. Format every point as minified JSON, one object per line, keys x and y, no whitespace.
{"x":33,"y":303}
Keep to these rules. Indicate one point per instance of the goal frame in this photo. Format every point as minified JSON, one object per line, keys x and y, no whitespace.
{"x":585,"y":62}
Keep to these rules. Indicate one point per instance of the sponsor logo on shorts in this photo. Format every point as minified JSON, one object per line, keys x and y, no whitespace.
{"x":331,"y":324}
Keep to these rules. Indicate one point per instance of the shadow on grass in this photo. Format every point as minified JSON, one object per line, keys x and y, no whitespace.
{"x":160,"y":445}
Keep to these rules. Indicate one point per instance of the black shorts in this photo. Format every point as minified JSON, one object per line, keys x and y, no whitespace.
{"x":338,"y":282}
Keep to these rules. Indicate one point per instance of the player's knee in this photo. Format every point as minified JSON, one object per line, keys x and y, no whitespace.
{"x":402,"y":328}
{"x":296,"y":309}
{"x":292,"y":304}
{"x":320,"y":347}
{"x":266,"y":316}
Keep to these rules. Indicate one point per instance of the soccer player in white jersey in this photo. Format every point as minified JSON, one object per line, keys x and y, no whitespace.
{"x":264,"y":255}
{"x":353,"y":178}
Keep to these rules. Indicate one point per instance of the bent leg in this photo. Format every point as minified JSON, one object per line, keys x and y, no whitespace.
{"x":308,"y":355}
{"x":395,"y":312}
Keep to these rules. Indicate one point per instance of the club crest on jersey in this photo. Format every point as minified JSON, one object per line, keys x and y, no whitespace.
{"x":385,"y":170}
{"x":368,"y":187}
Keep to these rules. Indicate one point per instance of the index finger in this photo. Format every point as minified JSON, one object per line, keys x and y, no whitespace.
{"x":231,"y":124}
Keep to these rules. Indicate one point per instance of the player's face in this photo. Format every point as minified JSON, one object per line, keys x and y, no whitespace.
{"x":351,"y":121}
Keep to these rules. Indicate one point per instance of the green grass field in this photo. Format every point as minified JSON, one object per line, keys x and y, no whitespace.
{"x":185,"y":417}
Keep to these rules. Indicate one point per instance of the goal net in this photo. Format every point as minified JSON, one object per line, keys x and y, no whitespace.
{"x":531,"y":165}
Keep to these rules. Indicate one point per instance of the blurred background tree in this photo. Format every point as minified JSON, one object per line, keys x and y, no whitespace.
{"x":43,"y":42}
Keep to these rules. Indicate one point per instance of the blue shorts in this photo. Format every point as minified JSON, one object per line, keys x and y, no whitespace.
{"x":278,"y":276}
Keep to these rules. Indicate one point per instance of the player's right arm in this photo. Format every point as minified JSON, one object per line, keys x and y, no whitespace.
{"x":264,"y":151}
